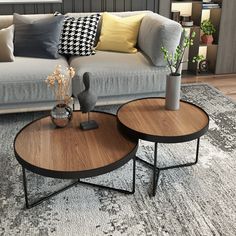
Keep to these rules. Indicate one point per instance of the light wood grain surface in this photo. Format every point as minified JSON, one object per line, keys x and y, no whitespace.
{"x":225,"y":83}
{"x":71,"y":149}
{"x":149,"y":116}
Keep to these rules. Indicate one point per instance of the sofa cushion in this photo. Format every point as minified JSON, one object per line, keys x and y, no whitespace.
{"x":78,"y":35}
{"x":6,"y":44}
{"x":119,"y":33}
{"x":26,"y":80}
{"x":114,"y":74}
{"x":38,"y":38}
{"x":6,"y":21}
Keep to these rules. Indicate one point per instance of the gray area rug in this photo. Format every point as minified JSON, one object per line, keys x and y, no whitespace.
{"x":196,"y":200}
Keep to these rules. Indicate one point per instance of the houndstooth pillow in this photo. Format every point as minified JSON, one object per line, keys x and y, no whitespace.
{"x":78,"y":35}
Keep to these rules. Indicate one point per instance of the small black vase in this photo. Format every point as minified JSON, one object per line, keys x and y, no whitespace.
{"x":61,"y":115}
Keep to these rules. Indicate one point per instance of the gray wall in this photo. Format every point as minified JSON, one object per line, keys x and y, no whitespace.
{"x":165,"y":7}
{"x":81,"y":6}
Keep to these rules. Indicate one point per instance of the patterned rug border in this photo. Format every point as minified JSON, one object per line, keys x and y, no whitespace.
{"x":212,"y":87}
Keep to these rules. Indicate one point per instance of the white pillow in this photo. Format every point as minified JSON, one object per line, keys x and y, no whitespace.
{"x":6,"y":44}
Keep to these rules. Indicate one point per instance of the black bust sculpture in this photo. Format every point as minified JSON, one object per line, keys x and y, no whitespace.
{"x":87,"y":100}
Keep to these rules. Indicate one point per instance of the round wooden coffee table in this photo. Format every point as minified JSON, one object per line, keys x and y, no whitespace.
{"x":70,"y":152}
{"x":148,"y":119}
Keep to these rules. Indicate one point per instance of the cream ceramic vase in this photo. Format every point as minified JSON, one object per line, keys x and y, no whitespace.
{"x":173,"y":84}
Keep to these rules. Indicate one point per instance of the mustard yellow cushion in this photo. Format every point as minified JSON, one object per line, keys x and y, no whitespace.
{"x":119,"y":33}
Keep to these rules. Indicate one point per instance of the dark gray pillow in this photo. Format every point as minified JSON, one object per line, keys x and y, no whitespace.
{"x":37,"y":38}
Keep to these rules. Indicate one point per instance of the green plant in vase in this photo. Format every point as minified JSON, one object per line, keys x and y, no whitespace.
{"x":174,"y":62}
{"x":208,"y":29}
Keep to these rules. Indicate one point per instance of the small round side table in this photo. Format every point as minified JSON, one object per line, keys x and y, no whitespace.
{"x":148,"y":119}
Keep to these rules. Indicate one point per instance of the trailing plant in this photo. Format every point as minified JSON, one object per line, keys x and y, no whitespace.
{"x":176,"y":59}
{"x":207,"y":27}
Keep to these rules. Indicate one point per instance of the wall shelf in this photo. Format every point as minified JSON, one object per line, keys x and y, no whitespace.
{"x":198,"y":14}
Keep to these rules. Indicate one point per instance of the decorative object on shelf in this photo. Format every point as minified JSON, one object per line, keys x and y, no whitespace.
{"x":203,"y":66}
{"x":210,"y":5}
{"x":60,"y":83}
{"x":87,"y":100}
{"x":208,"y":29}
{"x":174,"y":61}
{"x":186,"y":20}
{"x":175,"y":15}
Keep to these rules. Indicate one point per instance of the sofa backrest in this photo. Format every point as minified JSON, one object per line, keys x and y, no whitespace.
{"x":7,"y":20}
{"x":121,"y":14}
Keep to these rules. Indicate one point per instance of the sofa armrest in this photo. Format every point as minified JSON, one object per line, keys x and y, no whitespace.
{"x":157,"y":31}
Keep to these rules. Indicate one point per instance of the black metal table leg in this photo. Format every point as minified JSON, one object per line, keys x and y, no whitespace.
{"x":156,"y":170}
{"x":117,"y":189}
{"x":25,"y":188}
{"x":197,"y":151}
{"x":134,"y":174}
{"x":185,"y":164}
{"x":30,"y":205}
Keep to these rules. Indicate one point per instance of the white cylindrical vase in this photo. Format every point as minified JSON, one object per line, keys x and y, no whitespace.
{"x":173,"y":84}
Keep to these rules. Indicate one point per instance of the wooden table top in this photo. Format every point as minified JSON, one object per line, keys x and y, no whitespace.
{"x":148,"y":119}
{"x":70,"y":152}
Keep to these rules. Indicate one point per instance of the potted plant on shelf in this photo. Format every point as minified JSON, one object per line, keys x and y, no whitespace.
{"x":174,"y":61}
{"x":60,"y":83}
{"x":208,"y":29}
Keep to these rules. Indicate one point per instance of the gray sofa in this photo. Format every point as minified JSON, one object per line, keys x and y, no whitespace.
{"x":116,"y":77}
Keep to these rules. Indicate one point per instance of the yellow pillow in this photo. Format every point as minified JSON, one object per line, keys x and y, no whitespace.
{"x":119,"y":33}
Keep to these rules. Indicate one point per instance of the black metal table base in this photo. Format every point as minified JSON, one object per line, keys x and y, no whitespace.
{"x":156,"y":169}
{"x":37,"y":202}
